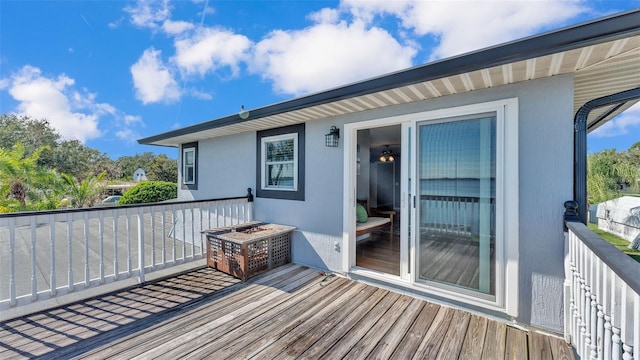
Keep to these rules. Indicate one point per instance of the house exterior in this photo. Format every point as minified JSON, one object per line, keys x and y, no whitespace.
{"x":620,"y":216}
{"x":491,"y":144}
{"x":139,"y":175}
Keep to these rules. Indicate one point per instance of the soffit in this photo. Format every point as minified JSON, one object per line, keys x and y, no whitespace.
{"x":600,"y":70}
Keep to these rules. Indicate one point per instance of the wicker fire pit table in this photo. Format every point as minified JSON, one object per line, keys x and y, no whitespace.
{"x":248,"y":249}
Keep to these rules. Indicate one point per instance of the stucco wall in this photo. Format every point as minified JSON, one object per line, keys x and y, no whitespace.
{"x":227,"y":167}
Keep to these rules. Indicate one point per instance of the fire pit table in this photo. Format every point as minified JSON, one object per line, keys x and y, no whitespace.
{"x":248,"y":249}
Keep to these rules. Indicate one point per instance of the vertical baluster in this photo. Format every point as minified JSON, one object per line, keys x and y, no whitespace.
{"x":163,"y":220}
{"x":173,"y":232}
{"x":636,"y":326}
{"x":101,"y":232}
{"x":593,"y":306}
{"x":606,"y":306}
{"x":52,"y":254}
{"x":152,"y":213}
{"x":583,"y":294}
{"x":12,"y":262}
{"x":575,"y":331}
{"x":600,"y":313}
{"x":616,"y":346}
{"x":86,"y":249}
{"x":116,"y":271}
{"x":568,"y":276}
{"x":184,"y":233}
{"x":626,"y":322}
{"x":127,"y":224}
{"x":217,"y":215}
{"x":141,"y":244}
{"x":202,"y":227}
{"x":69,"y":252}
{"x":34,"y":281}
{"x":193,"y":233}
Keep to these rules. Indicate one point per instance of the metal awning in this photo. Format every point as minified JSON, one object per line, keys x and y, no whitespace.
{"x":604,"y":55}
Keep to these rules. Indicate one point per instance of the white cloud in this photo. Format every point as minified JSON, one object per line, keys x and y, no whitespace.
{"x":327,"y":55}
{"x":622,"y":124}
{"x":73,"y":113}
{"x":462,"y":26}
{"x":152,"y":80}
{"x":127,"y":135}
{"x":148,"y":13}
{"x":326,"y":15}
{"x":200,"y":94}
{"x":115,"y":24}
{"x":210,"y":49}
{"x":176,"y":27}
{"x":131,"y":119}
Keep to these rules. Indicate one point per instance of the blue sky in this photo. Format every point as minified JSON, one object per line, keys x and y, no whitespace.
{"x":110,"y":72}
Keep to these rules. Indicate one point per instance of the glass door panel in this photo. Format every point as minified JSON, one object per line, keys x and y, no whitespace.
{"x":455,"y":207}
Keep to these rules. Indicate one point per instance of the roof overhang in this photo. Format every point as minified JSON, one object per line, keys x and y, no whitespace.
{"x":603,"y":55}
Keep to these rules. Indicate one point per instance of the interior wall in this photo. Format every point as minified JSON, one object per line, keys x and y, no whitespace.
{"x":363,"y":168}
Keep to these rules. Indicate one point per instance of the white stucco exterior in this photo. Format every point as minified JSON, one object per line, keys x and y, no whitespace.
{"x":545,"y":172}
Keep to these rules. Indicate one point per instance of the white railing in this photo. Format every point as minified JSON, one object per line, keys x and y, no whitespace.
{"x":602,"y":296}
{"x":453,"y":215}
{"x":53,"y":253}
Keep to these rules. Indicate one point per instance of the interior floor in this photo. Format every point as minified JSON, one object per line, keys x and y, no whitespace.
{"x":454,"y":262}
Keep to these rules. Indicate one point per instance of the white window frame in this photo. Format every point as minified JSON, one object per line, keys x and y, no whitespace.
{"x":185,"y":151}
{"x":264,"y":164}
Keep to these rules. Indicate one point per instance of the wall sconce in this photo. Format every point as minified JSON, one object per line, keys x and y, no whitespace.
{"x":331,"y":139}
{"x":243,"y":113}
{"x":386,"y":155}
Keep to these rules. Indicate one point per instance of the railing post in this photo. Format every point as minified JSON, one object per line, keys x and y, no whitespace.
{"x":12,"y":262}
{"x":34,"y":281}
{"x":52,"y":249}
{"x":249,"y":205}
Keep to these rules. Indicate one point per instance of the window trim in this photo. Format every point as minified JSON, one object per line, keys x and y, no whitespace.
{"x":298,"y":133}
{"x":264,"y":163}
{"x":190,"y":147}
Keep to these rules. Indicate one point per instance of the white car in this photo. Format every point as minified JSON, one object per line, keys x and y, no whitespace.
{"x":111,"y":200}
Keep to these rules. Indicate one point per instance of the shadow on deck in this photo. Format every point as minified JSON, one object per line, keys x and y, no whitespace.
{"x":290,"y":312}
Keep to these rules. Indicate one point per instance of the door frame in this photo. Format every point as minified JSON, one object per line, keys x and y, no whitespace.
{"x":507,"y":214}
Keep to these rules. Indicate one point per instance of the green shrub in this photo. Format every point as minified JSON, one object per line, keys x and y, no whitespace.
{"x":149,"y":191}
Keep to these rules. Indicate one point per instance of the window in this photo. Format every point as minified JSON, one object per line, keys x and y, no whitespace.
{"x":189,"y":166}
{"x":280,"y":162}
{"x":280,"y":168}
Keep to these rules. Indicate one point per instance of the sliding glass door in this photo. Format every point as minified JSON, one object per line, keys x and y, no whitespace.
{"x":455,"y":203}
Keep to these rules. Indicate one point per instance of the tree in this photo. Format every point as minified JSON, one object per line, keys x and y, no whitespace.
{"x":83,"y":193}
{"x":608,"y":171}
{"x":163,"y":169}
{"x":150,"y":191}
{"x":31,"y":133}
{"x":24,"y":184}
{"x":129,"y":164}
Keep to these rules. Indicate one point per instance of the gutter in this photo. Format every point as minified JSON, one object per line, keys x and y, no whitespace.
{"x":580,"y":142}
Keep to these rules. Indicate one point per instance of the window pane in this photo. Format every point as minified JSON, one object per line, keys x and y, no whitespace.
{"x":456,"y":173}
{"x":189,"y":156}
{"x":189,"y":174}
{"x":281,"y":150}
{"x":280,"y":176}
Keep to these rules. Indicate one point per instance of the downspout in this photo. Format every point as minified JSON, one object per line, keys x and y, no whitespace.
{"x":580,"y":144}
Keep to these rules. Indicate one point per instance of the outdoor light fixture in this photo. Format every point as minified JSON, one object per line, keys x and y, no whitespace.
{"x":386,"y":155}
{"x":331,"y":139}
{"x":243,"y":113}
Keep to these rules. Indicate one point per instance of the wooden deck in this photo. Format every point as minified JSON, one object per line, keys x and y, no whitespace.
{"x":291,"y":312}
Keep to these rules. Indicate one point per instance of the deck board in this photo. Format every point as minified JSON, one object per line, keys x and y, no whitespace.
{"x":290,"y":312}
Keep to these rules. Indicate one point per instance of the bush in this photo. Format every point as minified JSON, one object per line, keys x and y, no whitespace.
{"x":149,"y":191}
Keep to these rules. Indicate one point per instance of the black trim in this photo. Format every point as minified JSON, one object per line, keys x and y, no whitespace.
{"x":193,"y":186}
{"x":590,"y":33}
{"x":279,"y":194}
{"x":580,"y":144}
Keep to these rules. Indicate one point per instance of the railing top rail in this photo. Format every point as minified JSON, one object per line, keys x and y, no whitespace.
{"x":626,"y":268}
{"x":101,"y":208}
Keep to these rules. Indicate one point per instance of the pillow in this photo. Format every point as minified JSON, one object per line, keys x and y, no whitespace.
{"x":361,"y":214}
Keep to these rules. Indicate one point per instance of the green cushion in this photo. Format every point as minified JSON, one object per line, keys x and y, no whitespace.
{"x":361,"y":214}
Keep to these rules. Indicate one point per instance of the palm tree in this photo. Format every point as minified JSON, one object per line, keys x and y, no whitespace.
{"x":21,"y":179}
{"x":83,"y":193}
